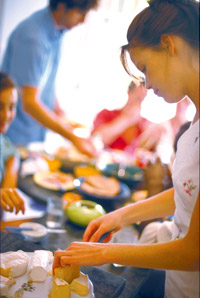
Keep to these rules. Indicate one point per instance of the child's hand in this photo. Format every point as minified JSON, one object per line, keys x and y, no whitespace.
{"x":10,"y":200}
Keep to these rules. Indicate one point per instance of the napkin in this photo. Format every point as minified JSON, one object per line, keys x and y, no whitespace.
{"x":32,"y":166}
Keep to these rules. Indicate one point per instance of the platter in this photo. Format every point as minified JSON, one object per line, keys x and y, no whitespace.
{"x":123,"y":194}
{"x":35,"y":289}
{"x":131,"y":175}
{"x":54,"y":180}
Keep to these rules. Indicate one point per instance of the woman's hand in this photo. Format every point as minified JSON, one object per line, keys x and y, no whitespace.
{"x":10,"y":200}
{"x":82,"y":254}
{"x":107,"y":223}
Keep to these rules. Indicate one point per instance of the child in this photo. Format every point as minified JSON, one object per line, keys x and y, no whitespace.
{"x":9,"y":165}
{"x":163,"y":42}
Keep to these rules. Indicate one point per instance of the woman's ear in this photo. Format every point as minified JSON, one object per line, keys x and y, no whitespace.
{"x":167,"y":43}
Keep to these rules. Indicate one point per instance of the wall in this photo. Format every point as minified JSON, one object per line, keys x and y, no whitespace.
{"x":11,"y":13}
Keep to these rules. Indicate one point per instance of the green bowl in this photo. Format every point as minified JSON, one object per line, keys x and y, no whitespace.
{"x":132,"y":176}
{"x":82,"y":212}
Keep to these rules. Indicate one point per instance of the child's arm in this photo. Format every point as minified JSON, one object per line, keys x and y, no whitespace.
{"x":11,"y":172}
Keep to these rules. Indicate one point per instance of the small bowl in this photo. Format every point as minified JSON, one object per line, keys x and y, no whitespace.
{"x":82,"y":212}
{"x":38,"y":234}
{"x":132,"y":174}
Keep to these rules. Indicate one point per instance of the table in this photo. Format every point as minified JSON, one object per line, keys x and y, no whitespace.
{"x":135,"y":277}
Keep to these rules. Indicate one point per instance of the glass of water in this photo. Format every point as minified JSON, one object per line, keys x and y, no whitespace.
{"x":54,"y":213}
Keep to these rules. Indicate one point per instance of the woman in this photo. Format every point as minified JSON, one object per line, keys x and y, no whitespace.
{"x":163,"y":42}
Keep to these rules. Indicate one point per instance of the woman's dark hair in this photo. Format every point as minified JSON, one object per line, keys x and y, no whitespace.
{"x":177,"y":17}
{"x":5,"y":81}
{"x":73,"y":4}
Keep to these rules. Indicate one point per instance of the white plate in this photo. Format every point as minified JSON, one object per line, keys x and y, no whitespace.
{"x":42,"y":289}
{"x":50,"y":180}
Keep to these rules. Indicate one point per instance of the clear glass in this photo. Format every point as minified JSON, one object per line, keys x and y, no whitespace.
{"x":54,"y":213}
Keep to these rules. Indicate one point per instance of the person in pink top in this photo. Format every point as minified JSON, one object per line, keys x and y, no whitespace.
{"x":163,"y":43}
{"x":120,"y":128}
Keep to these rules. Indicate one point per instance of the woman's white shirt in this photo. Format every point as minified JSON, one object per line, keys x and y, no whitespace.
{"x":185,"y":177}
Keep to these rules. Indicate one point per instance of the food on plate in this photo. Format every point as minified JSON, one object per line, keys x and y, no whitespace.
{"x":13,"y":264}
{"x":54,"y":180}
{"x":39,"y":263}
{"x":80,"y":285}
{"x":82,"y":171}
{"x":5,"y":284}
{"x":60,"y":289}
{"x":67,"y":273}
{"x":53,"y":163}
{"x":70,"y":153}
{"x":69,"y":198}
{"x":101,"y":185}
{"x":69,"y":279}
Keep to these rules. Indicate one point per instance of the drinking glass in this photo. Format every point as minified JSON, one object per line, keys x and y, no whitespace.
{"x":54,"y":213}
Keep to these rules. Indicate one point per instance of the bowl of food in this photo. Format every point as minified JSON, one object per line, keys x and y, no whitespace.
{"x":82,"y":212}
{"x":130,"y":175}
{"x":36,"y":233}
{"x":102,"y":189}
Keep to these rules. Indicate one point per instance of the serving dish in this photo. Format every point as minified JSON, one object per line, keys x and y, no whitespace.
{"x":57,"y":180}
{"x":82,"y":212}
{"x":39,"y":289}
{"x":130,"y":175}
{"x":123,"y":194}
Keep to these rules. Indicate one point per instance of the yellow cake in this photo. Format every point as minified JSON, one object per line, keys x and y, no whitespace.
{"x":67,"y":273}
{"x":60,"y":289}
{"x":80,"y":285}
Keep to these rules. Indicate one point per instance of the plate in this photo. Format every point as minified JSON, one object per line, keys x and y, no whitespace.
{"x":123,"y":194}
{"x":54,"y":180}
{"x":69,"y":157}
{"x":42,"y":287}
{"x":131,"y":176}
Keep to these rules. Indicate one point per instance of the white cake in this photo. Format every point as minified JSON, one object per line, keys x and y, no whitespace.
{"x":5,"y":284}
{"x":13,"y":264}
{"x":38,"y":268}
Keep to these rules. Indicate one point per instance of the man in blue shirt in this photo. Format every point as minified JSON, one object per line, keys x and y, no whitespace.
{"x":31,"y":59}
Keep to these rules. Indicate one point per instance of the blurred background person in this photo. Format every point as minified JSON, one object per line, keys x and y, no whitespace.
{"x":31,"y":59}
{"x":120,"y":128}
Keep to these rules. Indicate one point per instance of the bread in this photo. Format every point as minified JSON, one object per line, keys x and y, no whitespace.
{"x":101,"y":185}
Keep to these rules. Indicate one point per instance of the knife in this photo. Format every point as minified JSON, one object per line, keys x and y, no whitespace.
{"x":103,"y":237}
{"x":20,"y":229}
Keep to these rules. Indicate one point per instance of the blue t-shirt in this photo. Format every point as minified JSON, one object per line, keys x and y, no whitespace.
{"x":6,"y":151}
{"x":31,"y":59}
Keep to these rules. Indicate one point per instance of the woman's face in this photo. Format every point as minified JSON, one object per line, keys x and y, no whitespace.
{"x":163,"y":73}
{"x":8,"y":102}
